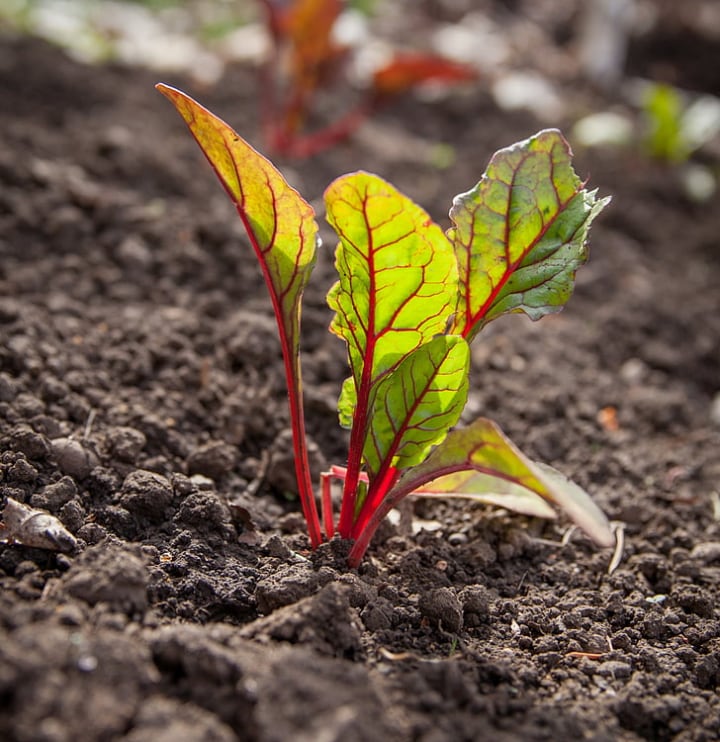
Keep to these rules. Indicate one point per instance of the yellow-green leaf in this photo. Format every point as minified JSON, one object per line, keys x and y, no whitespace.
{"x":502,"y":469}
{"x":280,"y":223}
{"x":520,"y":234}
{"x":398,"y":276}
{"x":416,"y":404}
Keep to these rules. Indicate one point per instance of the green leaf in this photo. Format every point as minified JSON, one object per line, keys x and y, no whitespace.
{"x":416,"y":404}
{"x":520,"y":234}
{"x":280,"y":223}
{"x":398,"y":277}
{"x":503,"y":470}
{"x":284,"y":235}
{"x":346,"y":403}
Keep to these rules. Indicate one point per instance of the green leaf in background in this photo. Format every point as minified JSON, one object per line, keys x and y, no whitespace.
{"x":398,"y":278}
{"x":520,"y":234}
{"x":416,"y":404}
{"x":498,"y":468}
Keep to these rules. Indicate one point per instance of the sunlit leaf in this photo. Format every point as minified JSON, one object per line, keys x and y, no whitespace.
{"x":398,"y":277}
{"x":282,"y":230}
{"x":280,"y":223}
{"x":520,"y":234}
{"x":489,"y":490}
{"x":503,"y":469}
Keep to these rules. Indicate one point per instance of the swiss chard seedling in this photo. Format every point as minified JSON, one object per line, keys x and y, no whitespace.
{"x":409,"y":300}
{"x":306,"y":59}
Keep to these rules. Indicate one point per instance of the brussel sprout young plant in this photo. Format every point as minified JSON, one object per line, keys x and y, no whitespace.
{"x":409,"y":300}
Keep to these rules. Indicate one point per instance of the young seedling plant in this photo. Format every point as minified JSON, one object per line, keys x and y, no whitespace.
{"x":409,"y":301}
{"x":307,"y":60}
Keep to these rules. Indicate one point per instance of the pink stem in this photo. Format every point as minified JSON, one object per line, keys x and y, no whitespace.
{"x":327,"y":506}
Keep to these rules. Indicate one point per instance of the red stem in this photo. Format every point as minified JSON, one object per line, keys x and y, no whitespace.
{"x":327,"y":507}
{"x":357,"y":439}
{"x":327,"y":137}
{"x":293,"y":376}
{"x":302,"y":462}
{"x":384,"y":482}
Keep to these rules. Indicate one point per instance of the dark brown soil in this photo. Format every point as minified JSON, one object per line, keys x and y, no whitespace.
{"x":133,"y":321}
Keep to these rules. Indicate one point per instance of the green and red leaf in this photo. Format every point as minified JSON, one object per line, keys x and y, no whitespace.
{"x":520,"y":234}
{"x":397,"y":289}
{"x":284,"y":235}
{"x":482,"y":461}
{"x":280,"y":223}
{"x":415,"y":405}
{"x":398,"y":276}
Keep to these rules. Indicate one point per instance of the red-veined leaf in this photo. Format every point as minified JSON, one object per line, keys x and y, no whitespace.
{"x":398,"y":276}
{"x":283,"y":232}
{"x":416,"y":404}
{"x":397,"y":289}
{"x":520,"y":234}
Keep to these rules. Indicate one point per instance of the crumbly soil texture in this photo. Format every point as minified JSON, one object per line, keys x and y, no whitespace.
{"x":142,"y":403}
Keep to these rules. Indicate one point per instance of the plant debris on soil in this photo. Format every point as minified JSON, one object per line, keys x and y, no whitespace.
{"x":142,"y":404}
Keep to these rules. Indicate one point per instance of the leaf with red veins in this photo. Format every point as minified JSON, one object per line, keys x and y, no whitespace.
{"x":398,"y":279}
{"x":397,"y":289}
{"x":280,"y":223}
{"x":520,"y":235}
{"x":480,"y":460}
{"x":417,"y":403}
{"x":284,"y":235}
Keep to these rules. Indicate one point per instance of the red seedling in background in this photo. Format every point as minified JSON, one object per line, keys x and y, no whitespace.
{"x":306,"y":60}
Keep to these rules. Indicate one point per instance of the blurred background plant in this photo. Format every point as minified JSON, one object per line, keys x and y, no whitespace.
{"x":676,"y":127}
{"x":613,"y":73}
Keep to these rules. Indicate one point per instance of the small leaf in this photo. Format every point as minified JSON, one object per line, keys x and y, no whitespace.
{"x":520,"y":234}
{"x":482,"y":448}
{"x":284,"y":235}
{"x":398,"y":277}
{"x":280,"y":223}
{"x":489,"y":490}
{"x":416,"y":404}
{"x":405,"y":71}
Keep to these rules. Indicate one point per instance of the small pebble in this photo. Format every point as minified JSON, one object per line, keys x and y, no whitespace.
{"x":73,"y":458}
{"x":213,"y":459}
{"x":442,"y":606}
{"x":457,"y":539}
